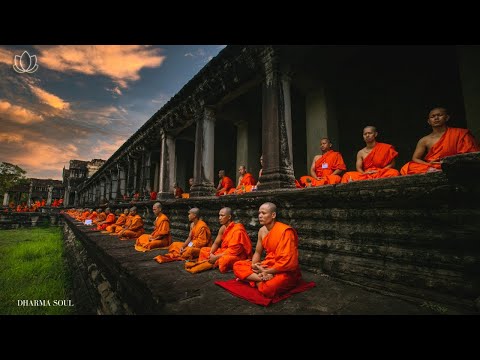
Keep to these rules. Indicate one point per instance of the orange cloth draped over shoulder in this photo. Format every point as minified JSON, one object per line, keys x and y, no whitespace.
{"x":227,"y":184}
{"x":454,"y":141}
{"x":245,"y":185}
{"x":120,"y":221}
{"x":185,"y":196}
{"x":128,"y":222}
{"x":161,"y":233}
{"x":109,"y":221}
{"x":281,"y":245}
{"x":100,"y":217}
{"x":324,"y":168}
{"x":200,"y":236}
{"x":380,"y":156}
{"x":84,"y":216}
{"x":236,"y":245}
{"x":134,"y":230}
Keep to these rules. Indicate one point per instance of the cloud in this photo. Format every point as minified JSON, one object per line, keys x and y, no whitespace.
{"x":121,"y":63}
{"x":18,"y":114}
{"x":105,"y":149}
{"x":10,"y":138}
{"x":6,"y":57}
{"x":189,"y":54}
{"x":47,"y":98}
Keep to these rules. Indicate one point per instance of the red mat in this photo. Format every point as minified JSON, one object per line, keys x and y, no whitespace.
{"x":243,"y":290}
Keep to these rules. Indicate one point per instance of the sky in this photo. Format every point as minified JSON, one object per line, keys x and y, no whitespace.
{"x":84,"y":101}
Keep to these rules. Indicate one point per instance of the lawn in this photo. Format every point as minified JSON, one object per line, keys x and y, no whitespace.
{"x":34,"y":279}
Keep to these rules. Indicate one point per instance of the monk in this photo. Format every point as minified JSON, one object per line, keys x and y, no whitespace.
{"x":443,"y":141}
{"x":259,"y":172}
{"x":231,"y":245}
{"x":160,"y":237}
{"x":177,"y":191}
{"x":326,"y":168}
{"x":279,"y":272}
{"x":135,"y":229}
{"x":224,"y":185}
{"x":246,"y":182}
{"x":187,"y":195}
{"x":121,"y":220}
{"x":374,"y":161}
{"x":110,"y":220}
{"x":101,"y":216}
{"x":199,"y":236}
{"x":153,"y":195}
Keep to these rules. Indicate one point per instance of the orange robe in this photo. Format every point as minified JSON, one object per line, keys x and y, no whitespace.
{"x":454,"y":141}
{"x":100,"y":217}
{"x":134,"y":230}
{"x":178,"y":192}
{"x":380,"y":156}
{"x":128,"y":221}
{"x":244,"y":185}
{"x":120,"y":222}
{"x":236,"y":245}
{"x":162,"y":231}
{"x":200,"y":236}
{"x":227,"y":184}
{"x":281,"y":246}
{"x":324,"y":168}
{"x":109,"y":221}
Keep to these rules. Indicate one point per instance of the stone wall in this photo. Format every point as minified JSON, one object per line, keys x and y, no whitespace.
{"x":412,"y":235}
{"x":14,"y":220}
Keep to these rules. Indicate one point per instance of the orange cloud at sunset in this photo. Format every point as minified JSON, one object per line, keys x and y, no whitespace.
{"x":121,"y":63}
{"x":49,"y":99}
{"x":18,"y":114}
{"x":6,"y":56}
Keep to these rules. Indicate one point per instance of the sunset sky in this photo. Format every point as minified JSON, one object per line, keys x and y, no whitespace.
{"x":84,"y":101}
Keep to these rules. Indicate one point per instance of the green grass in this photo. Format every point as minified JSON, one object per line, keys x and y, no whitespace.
{"x":32,"y":268}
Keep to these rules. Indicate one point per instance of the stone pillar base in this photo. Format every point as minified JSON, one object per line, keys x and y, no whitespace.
{"x":276,"y":179}
{"x":202,"y":190}
{"x":165,"y":195}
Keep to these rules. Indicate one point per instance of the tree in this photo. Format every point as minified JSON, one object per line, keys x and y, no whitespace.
{"x":10,"y":175}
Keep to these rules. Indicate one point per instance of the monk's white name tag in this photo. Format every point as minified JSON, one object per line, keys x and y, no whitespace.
{"x":324,"y":166}
{"x":190,"y":244}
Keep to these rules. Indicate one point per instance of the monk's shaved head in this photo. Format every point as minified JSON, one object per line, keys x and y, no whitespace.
{"x":195,"y":211}
{"x":373,"y":128}
{"x":271,"y":207}
{"x":157,"y":205}
{"x":228,"y":211}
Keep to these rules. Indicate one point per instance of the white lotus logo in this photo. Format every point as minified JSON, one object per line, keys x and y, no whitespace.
{"x":21,"y":62}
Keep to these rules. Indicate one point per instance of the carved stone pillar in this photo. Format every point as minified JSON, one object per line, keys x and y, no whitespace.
{"x":49,"y":195}
{"x":276,"y":128}
{"x":167,"y":166}
{"x":146,"y":171}
{"x":203,"y":171}
{"x":5,"y":199}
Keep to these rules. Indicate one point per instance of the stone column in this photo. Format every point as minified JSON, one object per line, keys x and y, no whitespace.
{"x":156,"y":177}
{"x":30,"y":191}
{"x":468,"y":60}
{"x":122,"y":180}
{"x":75,"y":200}
{"x":114,"y":185}
{"x":276,"y":128}
{"x":108,"y":187}
{"x":135,"y":174}
{"x":147,"y":183}
{"x":203,"y":169}
{"x":102,"y":189}
{"x":320,"y":123}
{"x":242,"y":146}
{"x":129,"y":187}
{"x":167,"y":166}
{"x":49,"y":195}
{"x":5,"y":199}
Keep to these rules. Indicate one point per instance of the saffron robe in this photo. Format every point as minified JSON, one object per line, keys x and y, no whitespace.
{"x":128,"y":222}
{"x":380,"y":156}
{"x":236,"y":245}
{"x":161,"y":231}
{"x":454,"y":141}
{"x":120,"y":222}
{"x":281,"y":246}
{"x":134,"y":230}
{"x":200,"y":236}
{"x":324,"y":168}
{"x":244,"y":185}
{"x":227,"y":184}
{"x":108,"y":221}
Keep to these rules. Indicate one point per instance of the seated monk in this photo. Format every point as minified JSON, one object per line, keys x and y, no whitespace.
{"x":279,"y":272}
{"x":160,"y":237}
{"x":118,"y":215}
{"x":326,"y":168}
{"x":443,"y":141}
{"x":101,"y":216}
{"x":128,"y":220}
{"x":187,"y":195}
{"x":374,"y":161}
{"x":177,"y":191}
{"x":231,"y":245}
{"x":199,"y":236}
{"x":153,"y":195}
{"x":93,"y":215}
{"x":110,"y":220}
{"x":135,"y":229}
{"x":224,"y":185}
{"x":245,"y":182}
